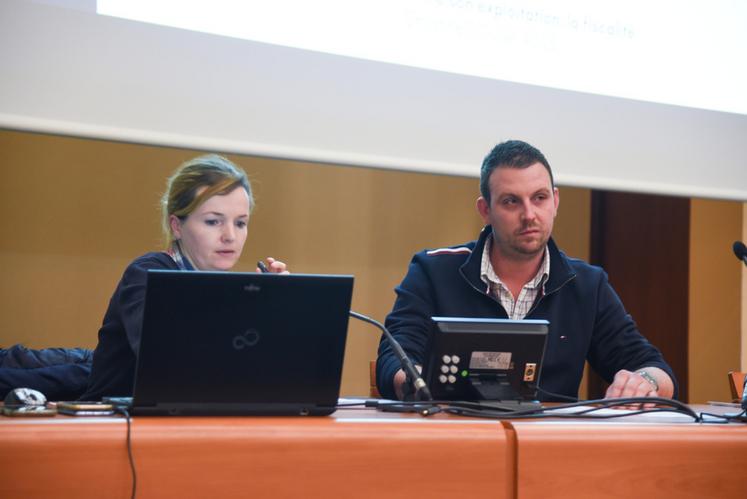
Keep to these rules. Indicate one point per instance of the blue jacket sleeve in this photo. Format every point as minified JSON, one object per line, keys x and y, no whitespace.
{"x":409,"y":323}
{"x":616,"y":342}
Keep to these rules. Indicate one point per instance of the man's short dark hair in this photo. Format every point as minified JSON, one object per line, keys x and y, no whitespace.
{"x":510,"y":154}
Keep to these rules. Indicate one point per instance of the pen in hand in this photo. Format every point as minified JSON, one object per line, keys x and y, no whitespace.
{"x":262,"y":267}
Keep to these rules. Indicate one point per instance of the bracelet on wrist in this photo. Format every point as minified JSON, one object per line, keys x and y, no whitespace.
{"x":645,"y":375}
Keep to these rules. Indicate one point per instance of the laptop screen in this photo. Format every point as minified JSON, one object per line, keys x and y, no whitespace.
{"x":241,"y":343}
{"x":485,"y":359}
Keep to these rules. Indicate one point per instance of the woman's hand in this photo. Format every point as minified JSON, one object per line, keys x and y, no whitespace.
{"x":275,"y":266}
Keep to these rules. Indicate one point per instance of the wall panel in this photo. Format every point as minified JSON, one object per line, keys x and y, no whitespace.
{"x":715,"y":301}
{"x":76,"y":212}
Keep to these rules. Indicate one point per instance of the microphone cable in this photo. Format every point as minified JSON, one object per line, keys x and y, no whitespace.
{"x":422,"y":392}
{"x":587,"y":409}
{"x":661,"y":405}
{"x":740,"y":416}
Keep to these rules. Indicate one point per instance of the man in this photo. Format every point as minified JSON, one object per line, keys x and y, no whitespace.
{"x":515,"y":270}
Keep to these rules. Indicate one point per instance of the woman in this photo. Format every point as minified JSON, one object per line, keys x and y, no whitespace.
{"x":206,"y":209}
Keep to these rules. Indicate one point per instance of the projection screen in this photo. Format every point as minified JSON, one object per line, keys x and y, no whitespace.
{"x":648,"y":99}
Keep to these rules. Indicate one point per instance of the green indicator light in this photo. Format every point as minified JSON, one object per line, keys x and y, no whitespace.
{"x":464,"y":373}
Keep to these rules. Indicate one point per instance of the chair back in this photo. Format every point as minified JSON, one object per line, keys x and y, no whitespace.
{"x":373,"y":390}
{"x":736,"y":384}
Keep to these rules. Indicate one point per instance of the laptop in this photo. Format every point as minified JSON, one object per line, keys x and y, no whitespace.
{"x":230,"y":343}
{"x":497,"y":360}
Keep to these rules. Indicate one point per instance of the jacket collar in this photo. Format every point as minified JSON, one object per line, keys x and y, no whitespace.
{"x":560,"y":269}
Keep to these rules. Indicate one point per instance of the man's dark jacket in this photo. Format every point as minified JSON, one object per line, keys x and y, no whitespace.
{"x":587,"y":318}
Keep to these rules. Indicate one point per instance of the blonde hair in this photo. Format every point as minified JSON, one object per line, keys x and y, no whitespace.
{"x":215,"y":172}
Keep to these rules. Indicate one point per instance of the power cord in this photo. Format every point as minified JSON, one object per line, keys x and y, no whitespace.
{"x":661,"y":405}
{"x":128,"y":419}
{"x":485,"y":410}
{"x":740,"y":416}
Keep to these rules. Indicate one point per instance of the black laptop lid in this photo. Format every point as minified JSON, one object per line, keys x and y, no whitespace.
{"x":241,"y":343}
{"x":485,"y":359}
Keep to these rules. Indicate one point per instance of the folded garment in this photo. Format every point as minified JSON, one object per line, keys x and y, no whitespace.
{"x":59,"y":373}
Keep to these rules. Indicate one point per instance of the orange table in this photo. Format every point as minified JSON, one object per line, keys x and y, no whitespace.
{"x":354,"y":453}
{"x":363,"y":453}
{"x":621,"y":459}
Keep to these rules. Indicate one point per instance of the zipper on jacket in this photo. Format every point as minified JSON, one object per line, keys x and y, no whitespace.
{"x":534,"y":306}
{"x":537,"y":302}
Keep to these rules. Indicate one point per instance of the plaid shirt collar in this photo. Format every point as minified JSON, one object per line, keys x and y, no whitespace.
{"x":517,"y":307}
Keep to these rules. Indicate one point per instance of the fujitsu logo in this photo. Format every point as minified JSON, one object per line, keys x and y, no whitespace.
{"x":249,"y":338}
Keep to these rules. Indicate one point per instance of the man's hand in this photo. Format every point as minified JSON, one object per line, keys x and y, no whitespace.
{"x":631,"y":384}
{"x":399,"y":382}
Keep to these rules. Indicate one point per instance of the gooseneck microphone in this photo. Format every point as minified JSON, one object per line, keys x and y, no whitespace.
{"x":740,"y":250}
{"x":421,"y":389}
